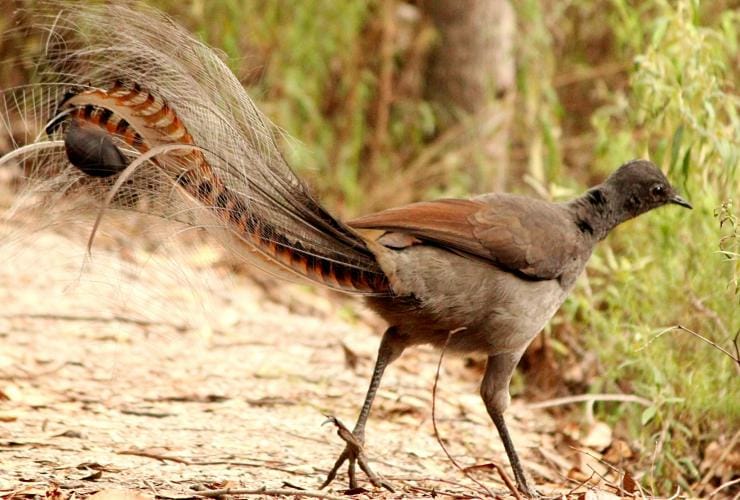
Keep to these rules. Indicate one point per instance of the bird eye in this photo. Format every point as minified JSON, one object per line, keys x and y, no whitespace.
{"x":657,"y":190}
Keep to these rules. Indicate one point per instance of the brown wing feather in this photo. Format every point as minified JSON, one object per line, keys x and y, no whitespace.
{"x":529,"y":236}
{"x":441,"y":221}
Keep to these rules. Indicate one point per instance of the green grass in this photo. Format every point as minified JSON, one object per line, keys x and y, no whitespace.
{"x":314,"y":70}
{"x":680,"y":109}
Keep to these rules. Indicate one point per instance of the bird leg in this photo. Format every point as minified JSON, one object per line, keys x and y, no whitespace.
{"x":495,"y":394}
{"x":391,"y":347}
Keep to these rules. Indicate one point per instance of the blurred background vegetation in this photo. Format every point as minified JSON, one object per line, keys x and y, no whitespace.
{"x":387,"y":101}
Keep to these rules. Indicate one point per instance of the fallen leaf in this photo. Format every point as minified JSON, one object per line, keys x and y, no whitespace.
{"x":591,"y":462}
{"x":30,"y":491}
{"x":70,"y":434}
{"x":97,"y":466}
{"x":93,"y":476}
{"x":599,"y":436}
{"x":576,"y":474}
{"x":7,"y":416}
{"x":617,"y":452}
{"x":628,"y":483}
{"x":480,"y":467}
{"x":54,"y":493}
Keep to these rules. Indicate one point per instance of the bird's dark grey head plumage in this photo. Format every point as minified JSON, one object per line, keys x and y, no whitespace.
{"x":639,"y":186}
{"x":633,"y":189}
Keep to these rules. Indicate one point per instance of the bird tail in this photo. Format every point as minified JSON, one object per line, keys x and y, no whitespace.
{"x":128,"y":93}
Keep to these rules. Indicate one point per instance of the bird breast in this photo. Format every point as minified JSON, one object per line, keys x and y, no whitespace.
{"x":491,"y":310}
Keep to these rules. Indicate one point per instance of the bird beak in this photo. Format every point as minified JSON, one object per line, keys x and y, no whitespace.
{"x":678,"y":200}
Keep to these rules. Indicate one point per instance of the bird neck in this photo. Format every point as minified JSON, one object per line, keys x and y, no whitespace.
{"x":597,"y":212}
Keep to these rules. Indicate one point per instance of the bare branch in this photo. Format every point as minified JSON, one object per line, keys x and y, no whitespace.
{"x":589,"y":398}
{"x":265,"y":491}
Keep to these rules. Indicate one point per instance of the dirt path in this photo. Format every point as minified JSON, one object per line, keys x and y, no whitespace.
{"x":131,"y":380}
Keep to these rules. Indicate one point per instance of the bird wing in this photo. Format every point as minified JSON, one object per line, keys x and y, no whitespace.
{"x":523,"y":235}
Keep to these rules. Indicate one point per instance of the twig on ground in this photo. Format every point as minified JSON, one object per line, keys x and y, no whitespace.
{"x":265,"y":491}
{"x":262,"y":464}
{"x":439,"y":439}
{"x":507,"y":480}
{"x":101,"y":319}
{"x":140,"y":413}
{"x":433,"y":480}
{"x":304,"y":437}
{"x":155,"y":456}
{"x":581,"y":484}
{"x":151,"y":487}
{"x":658,"y":448}
{"x":675,"y":495}
{"x":616,"y":487}
{"x":640,"y":489}
{"x":607,"y":482}
{"x":29,"y":375}
{"x":588,"y":398}
{"x":723,"y":486}
{"x":435,"y":492}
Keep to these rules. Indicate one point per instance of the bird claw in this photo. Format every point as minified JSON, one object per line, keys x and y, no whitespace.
{"x":527,"y":491}
{"x":355,"y":454}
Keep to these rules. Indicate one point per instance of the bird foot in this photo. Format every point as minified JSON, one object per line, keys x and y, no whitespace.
{"x":522,"y":485}
{"x":528,"y":492}
{"x":355,"y":454}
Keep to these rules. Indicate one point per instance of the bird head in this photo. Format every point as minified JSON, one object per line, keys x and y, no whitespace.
{"x":639,"y":186}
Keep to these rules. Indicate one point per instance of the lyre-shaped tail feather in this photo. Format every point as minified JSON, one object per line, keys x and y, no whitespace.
{"x":181,"y":93}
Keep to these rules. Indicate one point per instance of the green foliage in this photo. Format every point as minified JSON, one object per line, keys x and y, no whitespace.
{"x":680,"y":109}
{"x":541,"y":113}
{"x":315,"y":70}
{"x":618,"y":80}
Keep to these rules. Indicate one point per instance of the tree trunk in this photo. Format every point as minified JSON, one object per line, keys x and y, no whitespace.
{"x":473,"y":70}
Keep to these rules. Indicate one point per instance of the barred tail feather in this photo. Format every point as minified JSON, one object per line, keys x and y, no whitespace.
{"x":116,"y":83}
